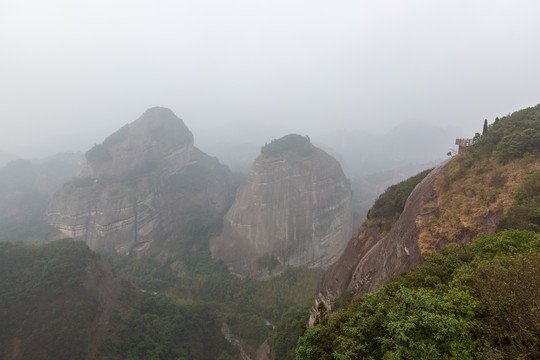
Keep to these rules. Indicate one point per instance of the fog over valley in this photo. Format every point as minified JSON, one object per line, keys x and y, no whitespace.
{"x":250,"y":71}
{"x":269,"y":180}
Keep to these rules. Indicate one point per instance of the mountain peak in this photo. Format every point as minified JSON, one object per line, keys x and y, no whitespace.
{"x":293,"y":209}
{"x":157,"y":133}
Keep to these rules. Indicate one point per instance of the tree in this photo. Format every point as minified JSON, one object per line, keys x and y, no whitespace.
{"x":485,"y":129}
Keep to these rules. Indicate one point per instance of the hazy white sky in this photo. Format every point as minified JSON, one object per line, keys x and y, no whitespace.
{"x":71,"y":72}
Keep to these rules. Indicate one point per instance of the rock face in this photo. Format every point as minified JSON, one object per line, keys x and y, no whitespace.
{"x":294,"y":208}
{"x":451,"y":205}
{"x":138,"y":184}
{"x":369,"y":259}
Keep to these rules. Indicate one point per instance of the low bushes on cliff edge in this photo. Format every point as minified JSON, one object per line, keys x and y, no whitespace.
{"x":470,"y":302}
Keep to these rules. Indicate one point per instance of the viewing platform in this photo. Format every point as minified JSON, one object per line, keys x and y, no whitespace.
{"x":464,"y":144}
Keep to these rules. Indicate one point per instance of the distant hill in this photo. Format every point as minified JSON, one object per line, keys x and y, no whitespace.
{"x":410,"y":143}
{"x":25,"y":190}
{"x":138,"y":185}
{"x":360,"y":153}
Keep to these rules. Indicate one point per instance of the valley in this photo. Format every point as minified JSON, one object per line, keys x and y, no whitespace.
{"x":147,"y":247}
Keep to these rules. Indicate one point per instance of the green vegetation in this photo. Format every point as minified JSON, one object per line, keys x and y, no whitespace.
{"x":188,"y":275}
{"x":47,"y":311}
{"x":476,"y":301}
{"x":525,"y":212}
{"x":268,"y":262}
{"x":156,"y":328}
{"x":291,"y":142}
{"x":44,"y":306}
{"x":513,"y":136}
{"x":391,"y":203}
{"x":285,"y":336}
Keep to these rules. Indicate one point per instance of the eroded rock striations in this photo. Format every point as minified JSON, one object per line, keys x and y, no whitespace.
{"x":294,"y":208}
{"x":138,"y":184}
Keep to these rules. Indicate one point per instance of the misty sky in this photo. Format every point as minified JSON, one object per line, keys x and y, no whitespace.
{"x":72,"y":72}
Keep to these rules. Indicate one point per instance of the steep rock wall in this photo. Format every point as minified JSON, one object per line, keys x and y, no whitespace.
{"x":294,"y":208}
{"x":369,"y":259}
{"x":453,"y":204}
{"x":137,"y":186}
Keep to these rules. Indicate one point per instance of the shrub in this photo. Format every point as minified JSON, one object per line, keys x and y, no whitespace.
{"x":291,"y":142}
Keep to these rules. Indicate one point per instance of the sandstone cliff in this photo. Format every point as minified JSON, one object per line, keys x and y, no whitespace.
{"x":467,"y":196}
{"x":373,"y":254}
{"x":137,"y":185}
{"x":294,"y":208}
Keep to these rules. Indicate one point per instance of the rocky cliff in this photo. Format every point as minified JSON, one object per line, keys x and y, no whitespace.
{"x":294,"y":208}
{"x":137,"y":185}
{"x":469,"y":195}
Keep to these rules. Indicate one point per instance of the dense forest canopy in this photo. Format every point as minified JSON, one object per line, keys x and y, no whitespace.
{"x":468,"y":302}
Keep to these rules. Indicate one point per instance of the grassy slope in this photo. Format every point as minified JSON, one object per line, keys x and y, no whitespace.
{"x":479,"y":187}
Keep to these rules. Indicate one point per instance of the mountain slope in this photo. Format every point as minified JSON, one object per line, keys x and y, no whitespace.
{"x":62,"y":285}
{"x":469,"y":195}
{"x":138,"y":184}
{"x":62,"y":301}
{"x":473,"y":301}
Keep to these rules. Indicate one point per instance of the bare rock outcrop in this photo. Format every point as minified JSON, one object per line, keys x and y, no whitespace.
{"x":451,"y":205}
{"x":370,"y":260}
{"x":294,"y":208}
{"x":138,"y":184}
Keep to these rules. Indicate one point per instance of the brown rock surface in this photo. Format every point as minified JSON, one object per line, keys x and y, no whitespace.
{"x":294,"y":208}
{"x":370,"y":260}
{"x":443,"y":209}
{"x":137,"y":186}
